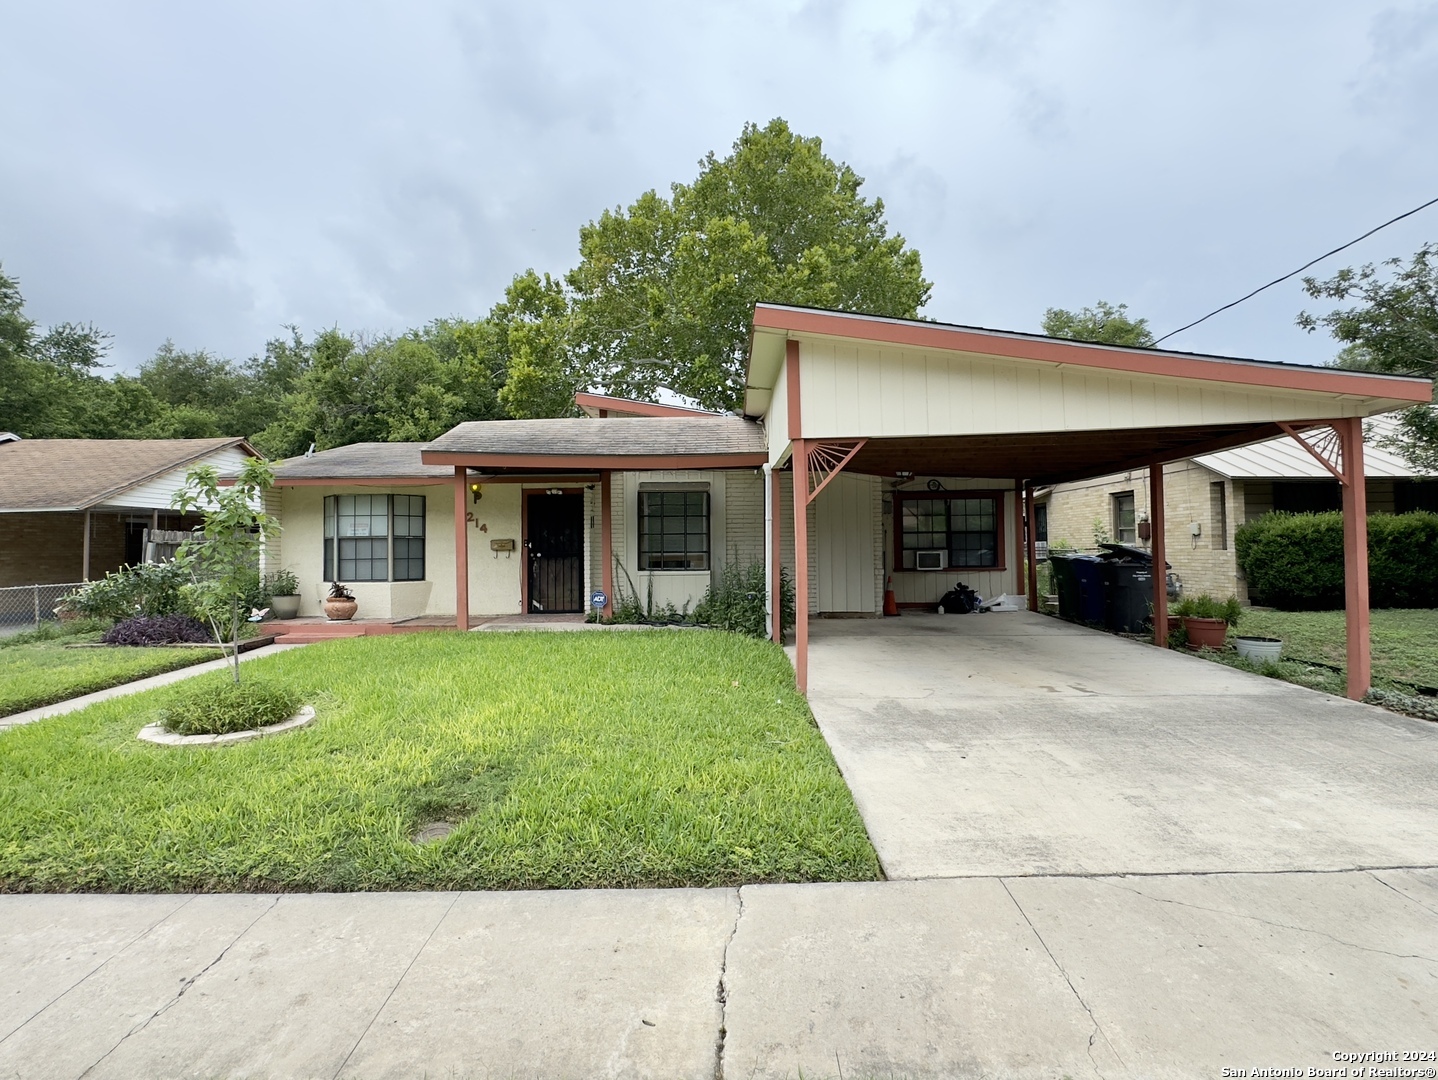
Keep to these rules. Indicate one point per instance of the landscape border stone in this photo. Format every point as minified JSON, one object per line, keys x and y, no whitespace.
{"x":154,"y":733}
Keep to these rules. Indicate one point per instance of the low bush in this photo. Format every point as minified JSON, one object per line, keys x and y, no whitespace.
{"x":281,"y":583}
{"x":158,"y":630}
{"x":738,"y":602}
{"x":1294,"y":562}
{"x":147,"y":589}
{"x":218,"y":708}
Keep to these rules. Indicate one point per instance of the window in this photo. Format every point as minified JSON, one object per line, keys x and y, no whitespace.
{"x":1411,"y":495}
{"x":1041,"y":523}
{"x":358,"y":529}
{"x":1217,"y":516}
{"x":964,"y":527}
{"x":674,"y":530}
{"x":1307,"y":496}
{"x":1124,"y":529}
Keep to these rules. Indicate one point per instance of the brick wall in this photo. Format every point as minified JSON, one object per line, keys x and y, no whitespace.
{"x":42,"y":549}
{"x":743,"y":519}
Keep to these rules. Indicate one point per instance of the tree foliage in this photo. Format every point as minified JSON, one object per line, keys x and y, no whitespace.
{"x":1103,"y":323}
{"x":664,"y":290}
{"x":1392,"y":326}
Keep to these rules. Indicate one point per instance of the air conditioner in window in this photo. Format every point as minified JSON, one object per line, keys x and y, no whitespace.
{"x":931,"y":560}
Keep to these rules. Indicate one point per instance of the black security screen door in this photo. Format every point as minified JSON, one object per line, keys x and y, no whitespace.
{"x":555,"y":543}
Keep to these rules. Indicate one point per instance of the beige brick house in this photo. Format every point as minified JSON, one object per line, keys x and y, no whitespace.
{"x":1208,"y":497}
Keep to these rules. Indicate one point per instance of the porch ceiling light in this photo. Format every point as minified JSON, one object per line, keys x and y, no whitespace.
{"x":903,"y":474}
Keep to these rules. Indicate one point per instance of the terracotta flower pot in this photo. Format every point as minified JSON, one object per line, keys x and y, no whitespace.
{"x":340,"y":610}
{"x":1174,"y":622}
{"x":1205,"y":633}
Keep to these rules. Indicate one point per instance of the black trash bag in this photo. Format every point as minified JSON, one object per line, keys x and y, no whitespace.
{"x":960,"y":600}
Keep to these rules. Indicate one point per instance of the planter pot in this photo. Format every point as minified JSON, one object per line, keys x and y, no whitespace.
{"x":1205,"y":633}
{"x":284,"y":607}
{"x":1259,"y":649}
{"x":1174,"y":622}
{"x":340,"y":610}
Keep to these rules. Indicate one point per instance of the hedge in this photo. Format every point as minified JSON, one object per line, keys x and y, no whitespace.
{"x":1294,"y":562}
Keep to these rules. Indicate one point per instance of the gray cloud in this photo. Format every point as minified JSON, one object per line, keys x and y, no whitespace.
{"x":209,"y":175}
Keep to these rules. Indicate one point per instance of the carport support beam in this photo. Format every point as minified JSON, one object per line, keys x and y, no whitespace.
{"x":461,"y":548}
{"x":1355,"y":557}
{"x":801,"y":564}
{"x":1160,"y":554}
{"x":1031,"y":541}
{"x":606,"y":540}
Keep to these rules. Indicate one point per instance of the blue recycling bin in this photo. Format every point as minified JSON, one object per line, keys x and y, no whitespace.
{"x":1078,"y":579}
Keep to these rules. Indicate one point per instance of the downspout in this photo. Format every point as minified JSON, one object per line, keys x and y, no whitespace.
{"x":768,"y":541}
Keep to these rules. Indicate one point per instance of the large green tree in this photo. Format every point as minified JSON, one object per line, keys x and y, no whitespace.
{"x":1391,"y":324}
{"x":1103,"y":323}
{"x":664,"y":290}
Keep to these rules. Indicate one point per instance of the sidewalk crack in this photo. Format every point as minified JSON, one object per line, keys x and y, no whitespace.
{"x":99,"y":967}
{"x":412,"y":961}
{"x":1272,"y":922}
{"x":184,"y":988}
{"x":1097,"y":1030}
{"x":721,"y":992}
{"x":1400,"y":892}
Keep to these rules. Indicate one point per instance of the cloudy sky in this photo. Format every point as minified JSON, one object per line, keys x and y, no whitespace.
{"x":211,"y":172}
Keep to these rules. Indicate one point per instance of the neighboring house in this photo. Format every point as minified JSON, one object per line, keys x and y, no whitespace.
{"x":910,"y":449}
{"x":1207,"y":497}
{"x":74,"y":509}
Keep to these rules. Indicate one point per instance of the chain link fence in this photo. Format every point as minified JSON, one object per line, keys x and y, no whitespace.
{"x":25,"y":607}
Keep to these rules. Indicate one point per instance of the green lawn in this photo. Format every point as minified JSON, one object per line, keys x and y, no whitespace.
{"x":1404,"y":642}
{"x":647,"y":758}
{"x":45,"y":672}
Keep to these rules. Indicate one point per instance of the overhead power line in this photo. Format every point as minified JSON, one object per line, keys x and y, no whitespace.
{"x":1295,"y":273}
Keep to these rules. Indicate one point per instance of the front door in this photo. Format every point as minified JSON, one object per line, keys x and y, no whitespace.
{"x":554,"y":545}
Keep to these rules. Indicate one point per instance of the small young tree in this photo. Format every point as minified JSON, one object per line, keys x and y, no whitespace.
{"x":236,"y":528}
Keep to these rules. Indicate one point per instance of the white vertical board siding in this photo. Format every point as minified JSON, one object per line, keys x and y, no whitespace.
{"x":851,"y":390}
{"x":844,"y":535}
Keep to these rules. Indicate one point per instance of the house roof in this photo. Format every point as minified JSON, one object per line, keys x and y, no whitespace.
{"x":603,"y":405}
{"x":361,"y":461}
{"x":649,"y":442}
{"x":1284,"y":459}
{"x":77,"y":474}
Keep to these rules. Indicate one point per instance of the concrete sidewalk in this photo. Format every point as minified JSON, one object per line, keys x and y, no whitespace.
{"x":1174,"y":975}
{"x":164,"y":679}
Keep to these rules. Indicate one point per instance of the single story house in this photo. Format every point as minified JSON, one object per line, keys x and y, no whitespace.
{"x":910,"y":449}
{"x":1211,"y":495}
{"x":75,"y":509}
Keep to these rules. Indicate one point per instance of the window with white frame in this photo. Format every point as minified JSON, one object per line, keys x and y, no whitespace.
{"x":673,"y":530}
{"x":374,"y":538}
{"x":1125,"y":527}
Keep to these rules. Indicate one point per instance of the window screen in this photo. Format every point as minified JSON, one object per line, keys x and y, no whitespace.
{"x":674,"y":530}
{"x":358,"y":530}
{"x":966,"y":528}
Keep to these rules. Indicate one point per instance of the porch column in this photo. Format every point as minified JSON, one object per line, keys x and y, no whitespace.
{"x":1355,"y":557}
{"x":461,"y":549}
{"x":1160,"y":555}
{"x":798,"y":467}
{"x":1020,"y":548}
{"x":1032,"y":534}
{"x":606,"y":542}
{"x":85,"y":553}
{"x":776,"y":601}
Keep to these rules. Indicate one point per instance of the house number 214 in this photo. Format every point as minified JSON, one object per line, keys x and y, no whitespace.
{"x":481,"y":526}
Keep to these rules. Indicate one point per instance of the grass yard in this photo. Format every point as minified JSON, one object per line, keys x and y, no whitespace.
{"x":567,"y":760}
{"x":42,"y":673}
{"x":1404,"y":642}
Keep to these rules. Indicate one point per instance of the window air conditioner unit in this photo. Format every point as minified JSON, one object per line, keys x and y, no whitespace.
{"x":931,"y":560}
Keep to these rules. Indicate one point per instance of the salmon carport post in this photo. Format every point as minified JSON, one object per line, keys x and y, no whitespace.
{"x":956,"y":420}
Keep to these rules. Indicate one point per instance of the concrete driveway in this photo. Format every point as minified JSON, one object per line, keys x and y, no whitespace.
{"x":1015,"y":744}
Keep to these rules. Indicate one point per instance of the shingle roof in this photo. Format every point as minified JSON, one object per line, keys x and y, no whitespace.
{"x":1284,"y":459}
{"x":370,"y":460}
{"x":639,"y":437}
{"x":73,"y":474}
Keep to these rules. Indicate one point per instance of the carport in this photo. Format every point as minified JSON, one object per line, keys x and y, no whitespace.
{"x":892,"y":398}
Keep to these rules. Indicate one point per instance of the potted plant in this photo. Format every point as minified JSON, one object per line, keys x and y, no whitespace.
{"x":1206,"y":620}
{"x":284,"y":590}
{"x":340,"y":604}
{"x":1259,"y":649}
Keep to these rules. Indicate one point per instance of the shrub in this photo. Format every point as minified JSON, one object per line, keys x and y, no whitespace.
{"x":1295,"y":561}
{"x":1204,"y":606}
{"x":157,"y":630}
{"x":218,"y":708}
{"x":737,"y":602}
{"x":281,"y":583}
{"x":146,"y":589}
